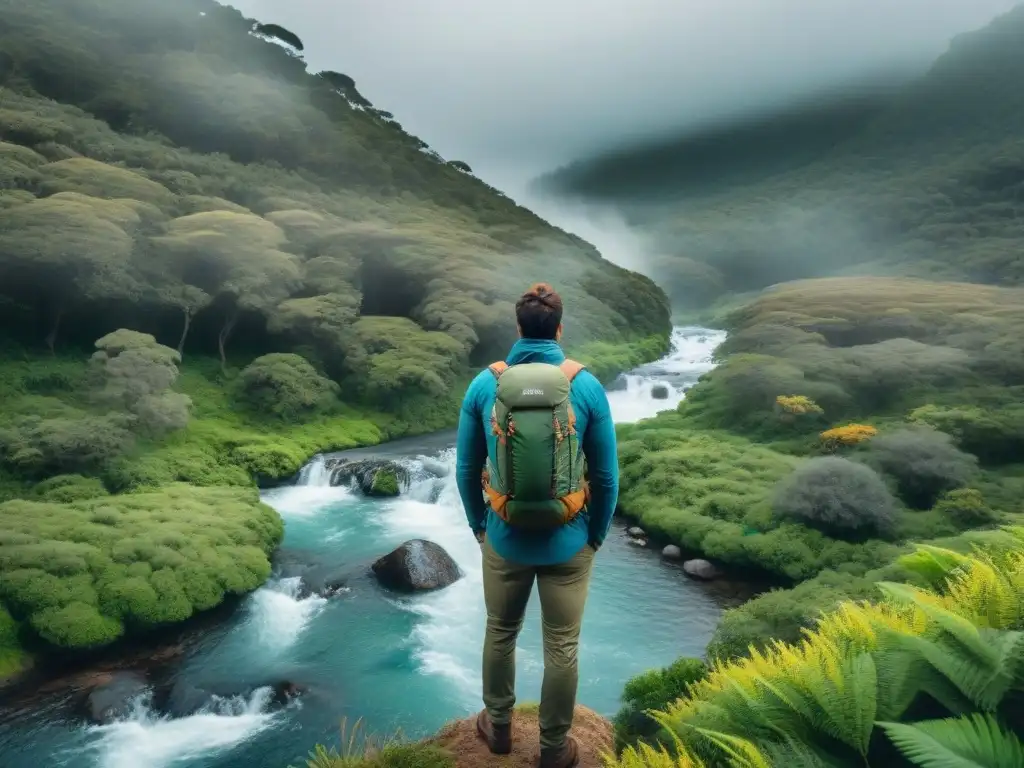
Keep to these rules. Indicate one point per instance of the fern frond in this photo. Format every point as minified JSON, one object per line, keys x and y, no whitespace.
{"x":977,"y":741}
{"x":742,"y":753}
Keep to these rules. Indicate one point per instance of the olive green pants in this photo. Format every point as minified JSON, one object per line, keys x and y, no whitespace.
{"x":563,"y":594}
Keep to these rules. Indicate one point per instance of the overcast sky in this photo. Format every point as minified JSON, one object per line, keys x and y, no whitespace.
{"x":518,"y":87}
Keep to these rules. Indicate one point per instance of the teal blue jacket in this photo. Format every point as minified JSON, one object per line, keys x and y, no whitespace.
{"x":476,"y":442}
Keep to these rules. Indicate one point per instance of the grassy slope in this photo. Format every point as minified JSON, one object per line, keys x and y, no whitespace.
{"x":704,"y":477}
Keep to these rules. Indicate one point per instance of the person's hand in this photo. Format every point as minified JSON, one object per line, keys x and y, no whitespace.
{"x":480,"y":536}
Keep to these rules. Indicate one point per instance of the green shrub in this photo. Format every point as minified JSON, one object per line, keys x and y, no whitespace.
{"x":783,"y":614}
{"x":652,"y":690}
{"x":924,"y":463}
{"x":287,"y":386}
{"x":966,"y":508}
{"x":39,"y":446}
{"x":995,"y":435}
{"x":63,"y":489}
{"x":836,"y":495}
{"x":85,"y":572}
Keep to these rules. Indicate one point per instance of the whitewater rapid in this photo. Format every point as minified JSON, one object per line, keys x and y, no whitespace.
{"x":446,"y":626}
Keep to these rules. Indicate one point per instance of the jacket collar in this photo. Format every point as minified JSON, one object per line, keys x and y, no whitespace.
{"x":535,"y":351}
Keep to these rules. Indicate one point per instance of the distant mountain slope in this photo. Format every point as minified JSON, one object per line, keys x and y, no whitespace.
{"x":926,"y":180}
{"x":174,"y":168}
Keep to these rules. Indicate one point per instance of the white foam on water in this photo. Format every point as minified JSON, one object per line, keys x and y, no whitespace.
{"x":311,"y":493}
{"x":146,"y":740}
{"x":277,"y":614}
{"x":690,"y":356}
{"x":447,"y":639}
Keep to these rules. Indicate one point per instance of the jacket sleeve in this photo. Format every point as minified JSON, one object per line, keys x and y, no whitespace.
{"x":601,"y":450}
{"x":471,"y":453}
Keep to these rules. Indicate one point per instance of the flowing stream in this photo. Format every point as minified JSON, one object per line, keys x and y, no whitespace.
{"x":408,"y":663}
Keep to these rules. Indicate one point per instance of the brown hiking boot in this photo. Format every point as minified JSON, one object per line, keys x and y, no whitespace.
{"x":565,"y":756}
{"x":498,"y":737}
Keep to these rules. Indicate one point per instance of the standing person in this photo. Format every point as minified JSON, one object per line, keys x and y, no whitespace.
{"x":537,"y":433}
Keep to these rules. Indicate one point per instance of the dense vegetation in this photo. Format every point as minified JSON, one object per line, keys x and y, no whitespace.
{"x":846,"y":418}
{"x":920,"y":179}
{"x":214,"y":264}
{"x":922,"y":677}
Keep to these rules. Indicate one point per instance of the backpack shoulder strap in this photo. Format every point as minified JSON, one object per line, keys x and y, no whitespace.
{"x":571,"y":368}
{"x":498,"y":368}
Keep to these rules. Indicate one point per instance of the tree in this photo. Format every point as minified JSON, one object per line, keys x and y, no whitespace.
{"x":234,"y":257}
{"x":133,"y":373}
{"x":60,"y":253}
{"x":278,"y":32}
{"x":287,"y":386}
{"x":96,"y":179}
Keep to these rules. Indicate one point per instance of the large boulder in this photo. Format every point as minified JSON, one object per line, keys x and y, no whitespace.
{"x":114,"y":698}
{"x":374,"y":477}
{"x":417,"y":565}
{"x":701,"y":569}
{"x":659,"y":392}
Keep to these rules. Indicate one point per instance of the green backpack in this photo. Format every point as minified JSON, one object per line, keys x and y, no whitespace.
{"x":537,"y":477}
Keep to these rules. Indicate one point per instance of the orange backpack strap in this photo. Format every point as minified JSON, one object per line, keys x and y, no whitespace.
{"x":571,"y":368}
{"x":498,"y":368}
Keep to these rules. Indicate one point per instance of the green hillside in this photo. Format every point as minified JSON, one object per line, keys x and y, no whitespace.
{"x":213,"y":265}
{"x":921,"y":179}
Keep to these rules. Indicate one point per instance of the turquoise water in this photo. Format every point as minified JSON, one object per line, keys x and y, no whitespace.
{"x":396,"y":662}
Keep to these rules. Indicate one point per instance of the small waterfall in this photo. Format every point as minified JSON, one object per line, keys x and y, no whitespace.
{"x":279,"y":615}
{"x":315,"y":473}
{"x":689,"y":358}
{"x":147,"y":740}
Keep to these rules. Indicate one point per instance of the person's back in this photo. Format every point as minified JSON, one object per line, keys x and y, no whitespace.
{"x":537,"y":441}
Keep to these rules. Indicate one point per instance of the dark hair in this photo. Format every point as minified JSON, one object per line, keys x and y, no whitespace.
{"x":539,"y":312}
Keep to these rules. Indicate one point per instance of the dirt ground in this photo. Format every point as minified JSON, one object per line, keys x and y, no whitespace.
{"x":592,"y":731}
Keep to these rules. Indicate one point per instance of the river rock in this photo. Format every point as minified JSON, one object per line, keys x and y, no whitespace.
{"x":638,"y":542}
{"x":672,"y":552}
{"x":701,"y":569}
{"x":636,"y":532}
{"x":113,"y":699}
{"x":375,"y":477}
{"x":324,"y":581}
{"x":417,"y":565}
{"x":659,"y":392}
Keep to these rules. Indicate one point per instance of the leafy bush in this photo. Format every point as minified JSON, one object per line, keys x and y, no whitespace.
{"x":994,"y":435}
{"x":84,"y":443}
{"x":653,"y":690}
{"x":287,"y":386}
{"x":84,"y":573}
{"x":837,"y":496}
{"x":63,"y":489}
{"x":924,"y":463}
{"x":966,"y":508}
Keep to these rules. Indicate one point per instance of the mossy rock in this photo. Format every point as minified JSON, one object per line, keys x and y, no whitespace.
{"x":385,"y":483}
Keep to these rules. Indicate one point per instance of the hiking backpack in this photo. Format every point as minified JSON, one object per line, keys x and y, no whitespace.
{"x":537,"y":477}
